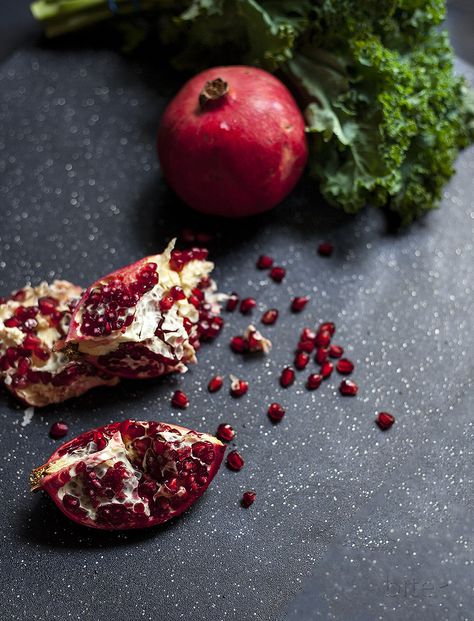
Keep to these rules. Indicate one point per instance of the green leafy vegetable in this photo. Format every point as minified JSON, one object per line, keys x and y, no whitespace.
{"x":386,"y":114}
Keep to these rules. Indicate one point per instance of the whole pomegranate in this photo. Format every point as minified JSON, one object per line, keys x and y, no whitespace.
{"x":130,"y":474}
{"x":148,"y":318}
{"x":232,"y":142}
{"x":32,"y":321}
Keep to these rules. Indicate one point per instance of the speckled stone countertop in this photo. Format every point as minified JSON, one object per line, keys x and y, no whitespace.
{"x":349,"y":523}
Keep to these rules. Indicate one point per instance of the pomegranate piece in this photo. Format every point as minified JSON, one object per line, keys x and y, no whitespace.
{"x":385,"y":420}
{"x":248,"y":498}
{"x":269,"y":317}
{"x":307,"y":335}
{"x":232,"y":302}
{"x":252,"y":341}
{"x":348,"y":388}
{"x":344,"y":366}
{"x":179,"y":400}
{"x":298,"y":303}
{"x":32,"y":322}
{"x":264,"y":262}
{"x":130,"y":474}
{"x":301,"y":360}
{"x":287,"y":377}
{"x":225,"y":432}
{"x":58,"y":430}
{"x":246,"y":305}
{"x":235,"y":461}
{"x":238,"y":387}
{"x":277,"y":273}
{"x":239,"y":344}
{"x":260,"y":155}
{"x":276,"y":412}
{"x":314,"y":381}
{"x":335,"y":351}
{"x":326,"y":369}
{"x":215,"y":383}
{"x":306,"y":346}
{"x":323,"y":338}
{"x":328,"y":326}
{"x":325,"y":249}
{"x":321,"y":355}
{"x":147,"y":319}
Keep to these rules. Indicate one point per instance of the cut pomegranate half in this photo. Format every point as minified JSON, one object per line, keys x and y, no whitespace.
{"x":147,"y":319}
{"x":132,"y":474}
{"x":32,"y":322}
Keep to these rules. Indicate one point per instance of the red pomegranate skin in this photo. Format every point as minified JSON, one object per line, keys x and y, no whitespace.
{"x":237,"y":155}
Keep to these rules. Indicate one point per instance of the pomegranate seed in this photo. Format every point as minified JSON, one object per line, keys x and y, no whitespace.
{"x":301,"y":360}
{"x":325,"y":249}
{"x":314,"y":381}
{"x":275,"y":411}
{"x":166,"y":303}
{"x":238,"y":387}
{"x":299,"y":303}
{"x":326,"y":369}
{"x":336,"y":351}
{"x":58,"y":430}
{"x":328,"y":326}
{"x":232,"y":302}
{"x":384,"y":420}
{"x":179,"y":400}
{"x":215,"y":383}
{"x":203,"y":237}
{"x":23,"y":366}
{"x":247,"y":305}
{"x":345,"y":366}
{"x":235,"y":461}
{"x":238,"y":344}
{"x":225,"y":432}
{"x":323,"y":338}
{"x":47,"y":305}
{"x":321,"y":355}
{"x":348,"y":388}
{"x":287,"y":377}
{"x":306,"y":346}
{"x":270,"y":316}
{"x":264,"y":262}
{"x":308,"y":335}
{"x":12,"y":322}
{"x":278,"y":273}
{"x":248,"y":498}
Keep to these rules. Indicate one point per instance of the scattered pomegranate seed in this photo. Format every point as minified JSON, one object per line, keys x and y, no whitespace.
{"x":225,"y":432}
{"x":287,"y":377}
{"x":348,"y":388}
{"x":58,"y":430}
{"x":238,"y":387}
{"x":278,"y":273}
{"x":307,"y":335}
{"x":238,"y":344}
{"x":264,"y":262}
{"x":328,"y":326}
{"x":345,"y":366}
{"x":336,"y":351}
{"x":325,"y":249}
{"x":232,"y":302}
{"x":248,"y":498}
{"x":314,"y":381}
{"x":384,"y":420}
{"x":306,"y":346}
{"x":270,"y":316}
{"x":276,"y":411}
{"x":301,"y":360}
{"x":179,"y":400}
{"x":235,"y":461}
{"x":326,"y":369}
{"x":299,"y":303}
{"x":323,"y":338}
{"x":321,"y":355}
{"x":247,"y":305}
{"x":215,"y":383}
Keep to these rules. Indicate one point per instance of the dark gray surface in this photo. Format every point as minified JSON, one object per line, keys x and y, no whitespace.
{"x":341,"y":507}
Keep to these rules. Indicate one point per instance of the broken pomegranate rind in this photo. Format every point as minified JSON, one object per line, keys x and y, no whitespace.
{"x":32,"y":321}
{"x":149,"y":318}
{"x":131,"y":474}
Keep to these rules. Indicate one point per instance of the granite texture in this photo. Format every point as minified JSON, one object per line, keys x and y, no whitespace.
{"x":346,"y":517}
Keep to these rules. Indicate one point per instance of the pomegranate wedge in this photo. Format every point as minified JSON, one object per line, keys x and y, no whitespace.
{"x":131,"y":474}
{"x":32,"y":321}
{"x":147,"y":319}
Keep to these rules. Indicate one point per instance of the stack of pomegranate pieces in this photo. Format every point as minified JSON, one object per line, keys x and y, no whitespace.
{"x":144,"y":320}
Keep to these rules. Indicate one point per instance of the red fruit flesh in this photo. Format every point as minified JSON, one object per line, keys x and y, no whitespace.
{"x":323,"y":338}
{"x":306,"y":346}
{"x":276,"y":412}
{"x":301,"y":360}
{"x":269,"y":317}
{"x":147,"y":319}
{"x":264,"y":262}
{"x":287,"y":377}
{"x":132,"y":474}
{"x":215,"y":383}
{"x":335,"y":351}
{"x":321,"y":355}
{"x":247,"y":305}
{"x":348,"y":388}
{"x":232,"y":302}
{"x":58,"y":430}
{"x":344,"y":366}
{"x":238,"y":387}
{"x":248,"y":498}
{"x":238,"y":344}
{"x":179,"y":400}
{"x":326,"y":369}
{"x":298,"y":303}
{"x":325,"y":249}
{"x":328,"y":326}
{"x":32,"y":323}
{"x":232,"y":142}
{"x":277,"y":273}
{"x":225,"y":432}
{"x":385,"y":420}
{"x":314,"y":381}
{"x":235,"y":461}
